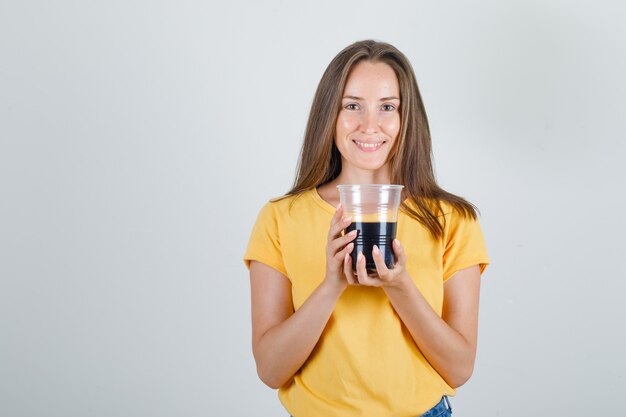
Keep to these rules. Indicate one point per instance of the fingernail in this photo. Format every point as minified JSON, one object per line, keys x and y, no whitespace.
{"x":360,"y":256}
{"x":353,"y":232}
{"x":376,"y":250}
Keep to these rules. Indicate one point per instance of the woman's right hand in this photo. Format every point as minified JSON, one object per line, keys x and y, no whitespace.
{"x":338,"y":249}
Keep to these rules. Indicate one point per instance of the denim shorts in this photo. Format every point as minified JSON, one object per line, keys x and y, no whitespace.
{"x":442,"y":409}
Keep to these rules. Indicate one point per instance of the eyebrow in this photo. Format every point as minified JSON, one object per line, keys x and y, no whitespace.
{"x":361,"y":98}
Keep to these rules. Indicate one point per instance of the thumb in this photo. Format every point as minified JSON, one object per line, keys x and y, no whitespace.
{"x":399,"y":251}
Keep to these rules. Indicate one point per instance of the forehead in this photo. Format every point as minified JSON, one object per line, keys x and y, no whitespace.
{"x":373,"y":77}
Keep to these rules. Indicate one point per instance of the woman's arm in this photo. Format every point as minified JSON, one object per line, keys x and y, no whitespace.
{"x":447,"y":342}
{"x":282,"y":339}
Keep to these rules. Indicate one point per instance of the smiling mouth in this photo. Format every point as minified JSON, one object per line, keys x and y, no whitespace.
{"x":368,"y":147}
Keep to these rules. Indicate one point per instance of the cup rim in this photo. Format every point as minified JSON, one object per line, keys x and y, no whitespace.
{"x":379,"y":186}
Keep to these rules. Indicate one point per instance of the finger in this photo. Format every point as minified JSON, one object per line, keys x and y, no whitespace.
{"x":336,"y":228}
{"x":398,"y":250}
{"x":361,"y":272}
{"x":338,"y":214}
{"x":342,"y":241}
{"x":347,"y":269}
{"x":379,"y":260}
{"x":339,"y":257}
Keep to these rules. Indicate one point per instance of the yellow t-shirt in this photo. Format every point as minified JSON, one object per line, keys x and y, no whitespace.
{"x":366,"y":362}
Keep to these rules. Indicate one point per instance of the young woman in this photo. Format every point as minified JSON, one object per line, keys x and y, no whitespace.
{"x":338,"y":343}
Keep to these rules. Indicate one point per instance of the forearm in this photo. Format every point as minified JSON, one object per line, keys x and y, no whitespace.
{"x":446,"y":350}
{"x":284,"y":348}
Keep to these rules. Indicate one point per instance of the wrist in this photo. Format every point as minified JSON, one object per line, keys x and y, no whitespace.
{"x":401,"y":283}
{"x":333,"y":288}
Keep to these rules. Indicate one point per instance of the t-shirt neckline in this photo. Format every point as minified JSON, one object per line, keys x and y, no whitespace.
{"x":321,"y":202}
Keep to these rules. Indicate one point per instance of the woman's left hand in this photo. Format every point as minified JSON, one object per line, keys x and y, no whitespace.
{"x":386,"y":277}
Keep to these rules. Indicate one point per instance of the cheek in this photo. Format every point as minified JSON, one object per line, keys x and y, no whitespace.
{"x":346,"y":124}
{"x":393,"y":127}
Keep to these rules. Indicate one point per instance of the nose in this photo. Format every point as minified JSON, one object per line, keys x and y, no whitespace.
{"x":369,"y":122}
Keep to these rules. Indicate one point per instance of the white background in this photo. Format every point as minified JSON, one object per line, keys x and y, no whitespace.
{"x":138,"y":140}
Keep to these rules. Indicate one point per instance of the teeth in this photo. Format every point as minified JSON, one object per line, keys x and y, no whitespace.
{"x":368,"y":145}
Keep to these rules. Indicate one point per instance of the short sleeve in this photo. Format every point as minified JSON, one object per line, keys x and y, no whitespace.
{"x":264,"y":243}
{"x":464,"y":245}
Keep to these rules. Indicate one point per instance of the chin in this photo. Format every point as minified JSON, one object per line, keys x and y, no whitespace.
{"x":370,"y":166}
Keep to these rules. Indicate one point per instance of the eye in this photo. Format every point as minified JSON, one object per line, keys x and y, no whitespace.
{"x":351,"y":106}
{"x":388,"y":107}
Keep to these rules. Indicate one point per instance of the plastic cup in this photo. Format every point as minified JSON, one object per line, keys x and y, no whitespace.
{"x":374,"y":212}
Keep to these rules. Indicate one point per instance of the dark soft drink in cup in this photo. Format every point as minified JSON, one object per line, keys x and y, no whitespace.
{"x":369,"y":234}
{"x":374,"y":212}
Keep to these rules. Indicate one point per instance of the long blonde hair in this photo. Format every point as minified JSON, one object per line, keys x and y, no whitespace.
{"x":411,"y":164}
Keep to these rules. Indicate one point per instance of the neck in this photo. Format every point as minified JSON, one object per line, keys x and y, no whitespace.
{"x":359,"y":176}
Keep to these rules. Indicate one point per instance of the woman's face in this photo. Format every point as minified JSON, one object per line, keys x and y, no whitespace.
{"x":369,"y":120}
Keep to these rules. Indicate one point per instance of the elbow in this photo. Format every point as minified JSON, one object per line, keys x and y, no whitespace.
{"x":269,"y":379}
{"x":268,"y":373}
{"x":461,"y":377}
{"x":273,"y":384}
